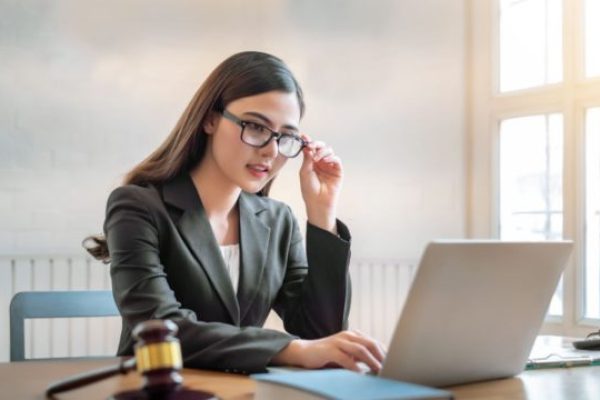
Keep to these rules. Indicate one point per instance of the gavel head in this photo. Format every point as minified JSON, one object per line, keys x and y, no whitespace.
{"x":158,"y":355}
{"x":158,"y":359}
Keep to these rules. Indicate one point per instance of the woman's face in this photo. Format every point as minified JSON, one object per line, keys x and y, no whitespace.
{"x":248,"y":167}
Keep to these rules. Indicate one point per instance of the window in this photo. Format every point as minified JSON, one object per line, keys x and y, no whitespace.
{"x":592,"y":38}
{"x":531,"y":178}
{"x":534,"y":126}
{"x":592,"y":215}
{"x":531,"y":202}
{"x":530,"y":43}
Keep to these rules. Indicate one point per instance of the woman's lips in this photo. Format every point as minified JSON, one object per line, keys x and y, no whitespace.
{"x":258,"y":170}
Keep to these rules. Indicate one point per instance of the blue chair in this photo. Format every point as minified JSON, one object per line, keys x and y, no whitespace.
{"x":54,"y":304}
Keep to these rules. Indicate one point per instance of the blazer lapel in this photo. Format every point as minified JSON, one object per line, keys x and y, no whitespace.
{"x":254,"y":243}
{"x":198,"y":235}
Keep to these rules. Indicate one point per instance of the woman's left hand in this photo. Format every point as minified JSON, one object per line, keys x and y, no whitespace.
{"x":320,"y":181}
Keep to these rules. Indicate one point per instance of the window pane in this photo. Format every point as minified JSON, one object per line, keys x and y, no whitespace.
{"x":530,"y":43}
{"x":592,"y":37}
{"x":531,"y":169}
{"x":531,"y":177}
{"x":592,"y":219}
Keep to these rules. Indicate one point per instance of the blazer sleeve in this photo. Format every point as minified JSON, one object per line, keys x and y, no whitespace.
{"x":314,"y":300}
{"x":142,"y":292}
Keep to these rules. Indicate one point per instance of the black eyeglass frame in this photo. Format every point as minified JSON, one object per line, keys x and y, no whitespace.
{"x":274,"y":134}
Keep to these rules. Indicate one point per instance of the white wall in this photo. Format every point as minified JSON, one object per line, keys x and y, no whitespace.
{"x":87,"y":89}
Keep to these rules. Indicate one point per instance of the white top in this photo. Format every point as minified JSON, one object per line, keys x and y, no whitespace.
{"x":231,"y":256}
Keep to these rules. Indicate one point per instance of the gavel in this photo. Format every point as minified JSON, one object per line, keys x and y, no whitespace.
{"x":157,"y":358}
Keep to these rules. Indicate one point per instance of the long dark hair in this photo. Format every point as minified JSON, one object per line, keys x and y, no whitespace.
{"x":244,"y":74}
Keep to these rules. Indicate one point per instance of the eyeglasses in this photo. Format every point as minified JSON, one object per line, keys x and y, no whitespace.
{"x":257,"y":135}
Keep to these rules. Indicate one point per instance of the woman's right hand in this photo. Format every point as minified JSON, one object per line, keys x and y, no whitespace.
{"x":344,"y":349}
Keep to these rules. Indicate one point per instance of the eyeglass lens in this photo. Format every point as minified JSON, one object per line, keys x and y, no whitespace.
{"x":258,"y":136}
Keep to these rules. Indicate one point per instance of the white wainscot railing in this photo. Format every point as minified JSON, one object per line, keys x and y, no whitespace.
{"x":58,"y":337}
{"x":379,"y":288}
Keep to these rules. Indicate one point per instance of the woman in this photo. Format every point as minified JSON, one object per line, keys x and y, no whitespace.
{"x":193,"y":237}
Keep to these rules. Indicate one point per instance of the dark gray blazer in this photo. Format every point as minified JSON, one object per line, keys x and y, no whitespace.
{"x":166,"y":263}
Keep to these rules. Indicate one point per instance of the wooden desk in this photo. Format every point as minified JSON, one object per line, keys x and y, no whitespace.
{"x":28,"y":380}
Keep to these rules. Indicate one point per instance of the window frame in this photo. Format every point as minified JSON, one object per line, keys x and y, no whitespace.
{"x":487,"y":107}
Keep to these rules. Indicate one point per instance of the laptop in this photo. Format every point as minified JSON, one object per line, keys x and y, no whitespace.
{"x":474,"y":310}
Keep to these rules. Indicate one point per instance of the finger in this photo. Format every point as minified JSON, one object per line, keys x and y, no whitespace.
{"x":307,"y":152}
{"x":309,"y":144}
{"x":307,"y":160}
{"x":329,"y":167}
{"x":306,"y":137}
{"x":344,"y":360}
{"x":354,"y":334}
{"x":374,"y":347}
{"x":323,"y":152}
{"x":377,"y":350}
{"x":380,"y":351}
{"x":333,"y":161}
{"x":332,"y":169}
{"x":316,"y":145}
{"x":361,"y":353}
{"x":331,"y":158}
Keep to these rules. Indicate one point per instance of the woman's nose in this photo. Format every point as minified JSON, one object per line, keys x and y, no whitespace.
{"x":271,"y":150}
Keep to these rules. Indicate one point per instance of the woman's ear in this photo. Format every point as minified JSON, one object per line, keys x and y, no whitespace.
{"x":210,"y":123}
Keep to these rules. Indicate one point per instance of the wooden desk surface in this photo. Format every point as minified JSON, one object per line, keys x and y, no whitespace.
{"x":28,"y":380}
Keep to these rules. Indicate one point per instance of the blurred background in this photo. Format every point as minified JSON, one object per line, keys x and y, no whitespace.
{"x":88,"y":89}
{"x":454,"y":119}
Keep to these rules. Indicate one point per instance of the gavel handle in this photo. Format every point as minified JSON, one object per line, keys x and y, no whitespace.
{"x":90,"y":377}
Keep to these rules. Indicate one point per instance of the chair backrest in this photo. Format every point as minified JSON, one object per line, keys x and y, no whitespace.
{"x":54,"y":304}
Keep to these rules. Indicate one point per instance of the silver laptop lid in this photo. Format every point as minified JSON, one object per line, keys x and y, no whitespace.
{"x":474,"y":310}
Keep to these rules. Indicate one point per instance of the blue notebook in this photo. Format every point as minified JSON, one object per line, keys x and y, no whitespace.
{"x":338,"y":384}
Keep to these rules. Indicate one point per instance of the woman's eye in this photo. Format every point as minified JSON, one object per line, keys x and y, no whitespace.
{"x":255,"y":127}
